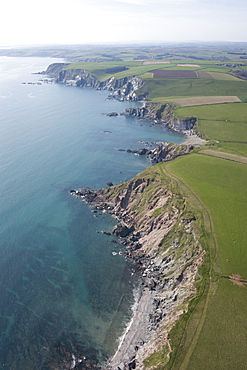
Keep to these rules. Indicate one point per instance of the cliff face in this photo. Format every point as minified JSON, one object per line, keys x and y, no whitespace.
{"x":162,"y":113}
{"x":54,"y":69}
{"x":161,"y":239}
{"x":122,"y":89}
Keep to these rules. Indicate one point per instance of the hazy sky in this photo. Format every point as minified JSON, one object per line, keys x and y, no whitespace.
{"x":94,"y":21}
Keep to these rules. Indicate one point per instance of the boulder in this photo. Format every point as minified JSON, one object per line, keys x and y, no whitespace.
{"x":122,"y":230}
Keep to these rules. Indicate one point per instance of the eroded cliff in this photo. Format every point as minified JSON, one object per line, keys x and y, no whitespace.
{"x":163,"y":114}
{"x":121,"y":89}
{"x":161,"y":237}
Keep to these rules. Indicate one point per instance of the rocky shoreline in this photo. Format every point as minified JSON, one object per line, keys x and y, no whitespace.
{"x":124,"y":89}
{"x":121,"y":89}
{"x":165,"y":247}
{"x":163,"y":151}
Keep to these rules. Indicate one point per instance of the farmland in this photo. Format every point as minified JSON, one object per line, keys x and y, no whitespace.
{"x":221,"y":122}
{"x":160,"y":89}
{"x":162,"y":73}
{"x":226,"y":112}
{"x":203,"y":100}
{"x":221,"y":335}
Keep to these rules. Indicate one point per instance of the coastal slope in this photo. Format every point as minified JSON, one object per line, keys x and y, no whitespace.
{"x":160,"y":234}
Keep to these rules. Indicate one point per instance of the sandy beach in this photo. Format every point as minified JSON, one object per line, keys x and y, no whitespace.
{"x":194,"y":140}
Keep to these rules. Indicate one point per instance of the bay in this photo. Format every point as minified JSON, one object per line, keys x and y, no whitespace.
{"x":63,"y":292}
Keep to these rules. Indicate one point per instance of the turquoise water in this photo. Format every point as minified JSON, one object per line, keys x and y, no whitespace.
{"x":63,"y":292}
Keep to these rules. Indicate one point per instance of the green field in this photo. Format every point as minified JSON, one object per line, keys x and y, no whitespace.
{"x":221,"y":185}
{"x":225,"y":123}
{"x":221,"y":130}
{"x":232,"y":147}
{"x":223,"y":76}
{"x":160,"y":88}
{"x":215,"y":181}
{"x":235,"y":112}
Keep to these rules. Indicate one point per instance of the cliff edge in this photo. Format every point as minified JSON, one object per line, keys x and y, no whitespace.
{"x":121,"y":89}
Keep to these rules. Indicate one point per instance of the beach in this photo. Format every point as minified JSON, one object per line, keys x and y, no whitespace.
{"x":137,"y":332}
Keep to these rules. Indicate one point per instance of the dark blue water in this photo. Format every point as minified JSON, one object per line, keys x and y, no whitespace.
{"x":63,"y":292}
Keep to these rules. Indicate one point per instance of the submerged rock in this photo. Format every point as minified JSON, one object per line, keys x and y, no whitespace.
{"x":112,"y":114}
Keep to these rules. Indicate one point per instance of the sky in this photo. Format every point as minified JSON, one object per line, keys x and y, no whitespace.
{"x":29,"y":22}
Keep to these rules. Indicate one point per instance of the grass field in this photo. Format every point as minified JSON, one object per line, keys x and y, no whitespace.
{"x":223,"y":112}
{"x":160,"y":89}
{"x":203,"y":100}
{"x":237,"y":148}
{"x":223,"y":154}
{"x":215,"y":181}
{"x":226,"y":123}
{"x":221,"y":131}
{"x":221,"y":185}
{"x":224,"y":76}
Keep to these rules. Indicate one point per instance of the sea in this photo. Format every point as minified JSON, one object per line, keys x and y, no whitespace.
{"x":67,"y":290}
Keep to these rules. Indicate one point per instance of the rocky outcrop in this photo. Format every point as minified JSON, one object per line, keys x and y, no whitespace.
{"x":139,"y":112}
{"x":163,"y":114}
{"x":121,"y":89}
{"x":160,"y":237}
{"x":125,"y":88}
{"x":163,"y":152}
{"x":54,"y":69}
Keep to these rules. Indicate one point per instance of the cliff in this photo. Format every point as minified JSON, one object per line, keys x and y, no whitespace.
{"x":121,"y":89}
{"x":160,"y":236}
{"x":54,"y":69}
{"x":162,"y":113}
